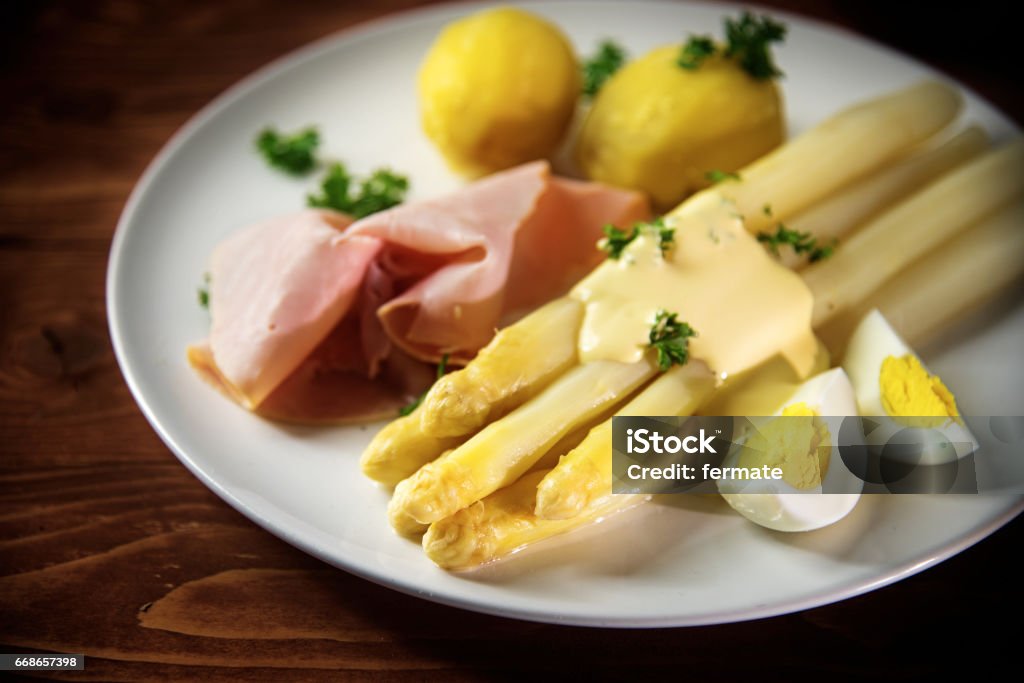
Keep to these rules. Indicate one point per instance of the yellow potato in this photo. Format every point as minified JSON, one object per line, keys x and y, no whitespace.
{"x":659,"y":128}
{"x":498,"y":88}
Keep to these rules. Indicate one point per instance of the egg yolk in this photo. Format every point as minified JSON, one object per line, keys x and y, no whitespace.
{"x":801,"y":448}
{"x":909,"y":391}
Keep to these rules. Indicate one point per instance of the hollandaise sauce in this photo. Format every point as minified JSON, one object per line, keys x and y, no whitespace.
{"x":743,"y":304}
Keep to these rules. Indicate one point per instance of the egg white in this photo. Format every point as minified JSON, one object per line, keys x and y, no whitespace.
{"x":871,"y":343}
{"x":777,"y":505}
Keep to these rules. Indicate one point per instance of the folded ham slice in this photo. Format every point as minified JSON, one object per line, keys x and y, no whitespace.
{"x":316,"y":318}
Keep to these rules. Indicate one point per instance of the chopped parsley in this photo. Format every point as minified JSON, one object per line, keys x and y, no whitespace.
{"x":596,"y":70}
{"x":666,"y":235}
{"x":382,"y":190}
{"x":203,"y":292}
{"x":715,"y":176}
{"x":294,"y":154}
{"x":615,"y":240}
{"x":696,"y":50}
{"x":442,"y":368}
{"x":748,"y":41}
{"x":671,"y":339}
{"x":801,"y":242}
{"x":822,"y":253}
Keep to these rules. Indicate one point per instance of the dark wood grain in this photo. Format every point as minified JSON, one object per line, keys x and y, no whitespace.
{"x":109,"y":546}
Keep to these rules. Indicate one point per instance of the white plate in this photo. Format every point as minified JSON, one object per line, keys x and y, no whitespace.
{"x":688,"y":562}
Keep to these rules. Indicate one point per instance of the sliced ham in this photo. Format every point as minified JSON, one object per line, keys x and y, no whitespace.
{"x":277,"y":289}
{"x":511,"y":242}
{"x":315,"y":319}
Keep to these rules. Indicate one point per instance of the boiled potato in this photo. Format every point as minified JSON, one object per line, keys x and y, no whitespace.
{"x":498,"y":88}
{"x":660,"y":128}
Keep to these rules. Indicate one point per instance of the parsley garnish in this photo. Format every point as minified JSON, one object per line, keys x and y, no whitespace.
{"x":666,"y":235}
{"x":382,"y":190}
{"x":821,"y":253}
{"x":442,"y":368}
{"x":204,"y":292}
{"x":671,"y":339}
{"x":294,"y":154}
{"x":801,"y":242}
{"x":715,"y":176}
{"x":696,"y":50}
{"x":747,"y":40}
{"x":609,"y":58}
{"x":615,"y":240}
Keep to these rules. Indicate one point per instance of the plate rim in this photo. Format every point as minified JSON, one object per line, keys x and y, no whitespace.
{"x":397,"y":21}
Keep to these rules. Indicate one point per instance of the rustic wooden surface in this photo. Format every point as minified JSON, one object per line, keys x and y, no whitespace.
{"x":109,"y":546}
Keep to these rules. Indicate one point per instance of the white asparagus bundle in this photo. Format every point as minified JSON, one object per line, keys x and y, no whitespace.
{"x":989,"y":193}
{"x":525,"y":357}
{"x":963,"y":273}
{"x":465,"y":478}
{"x":578,"y":493}
{"x":503,"y":450}
{"x":587,"y":473}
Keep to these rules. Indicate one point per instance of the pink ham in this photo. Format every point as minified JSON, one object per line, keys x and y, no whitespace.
{"x":277,"y":289}
{"x":510,"y":242}
{"x":314,"y":319}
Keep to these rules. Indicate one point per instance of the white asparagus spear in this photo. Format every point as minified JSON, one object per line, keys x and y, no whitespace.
{"x":401,"y":448}
{"x":848,"y":145}
{"x":517,"y":364}
{"x":504,"y":522}
{"x":585,"y":473}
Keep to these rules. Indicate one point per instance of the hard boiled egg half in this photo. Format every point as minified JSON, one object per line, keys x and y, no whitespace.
{"x":890,"y":380}
{"x":807,"y":452}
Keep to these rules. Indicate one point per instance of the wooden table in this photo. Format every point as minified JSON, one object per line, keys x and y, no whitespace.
{"x":108,"y":546}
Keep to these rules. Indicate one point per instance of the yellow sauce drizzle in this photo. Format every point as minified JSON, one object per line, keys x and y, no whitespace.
{"x":743,"y":304}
